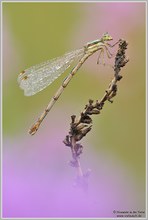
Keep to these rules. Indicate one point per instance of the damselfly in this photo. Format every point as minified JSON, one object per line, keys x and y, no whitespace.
{"x":38,"y":77}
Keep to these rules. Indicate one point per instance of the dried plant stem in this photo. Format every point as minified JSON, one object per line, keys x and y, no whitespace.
{"x":80,"y":126}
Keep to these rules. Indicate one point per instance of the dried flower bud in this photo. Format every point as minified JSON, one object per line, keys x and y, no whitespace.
{"x":82,"y":133}
{"x":73,"y":118}
{"x":86,"y":106}
{"x":90,"y":101}
{"x":118,"y":77}
{"x":86,"y":130}
{"x":109,"y":99}
{"x":88,"y":120}
{"x":85,"y":118}
{"x":99,"y":105}
{"x":79,"y":136}
{"x":66,"y":141}
{"x":81,"y":126}
{"x":114,"y":87}
{"x":95,"y":111}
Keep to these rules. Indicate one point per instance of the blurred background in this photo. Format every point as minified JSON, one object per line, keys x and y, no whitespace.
{"x":37,"y":180}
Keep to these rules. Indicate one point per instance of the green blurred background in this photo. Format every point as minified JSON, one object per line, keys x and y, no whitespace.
{"x":35,"y":32}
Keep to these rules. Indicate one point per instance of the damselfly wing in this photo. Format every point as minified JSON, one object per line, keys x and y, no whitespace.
{"x":38,"y":77}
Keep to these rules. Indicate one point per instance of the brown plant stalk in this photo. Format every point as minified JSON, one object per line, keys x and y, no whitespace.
{"x":80,"y":126}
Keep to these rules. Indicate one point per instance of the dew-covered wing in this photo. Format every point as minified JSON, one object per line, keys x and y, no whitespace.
{"x":38,"y":77}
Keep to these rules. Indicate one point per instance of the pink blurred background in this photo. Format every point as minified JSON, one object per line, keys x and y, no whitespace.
{"x":37,"y":180}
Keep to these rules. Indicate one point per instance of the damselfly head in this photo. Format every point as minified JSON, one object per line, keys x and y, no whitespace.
{"x":106,"y":37}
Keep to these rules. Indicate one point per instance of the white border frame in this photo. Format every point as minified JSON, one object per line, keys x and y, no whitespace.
{"x":76,"y":1}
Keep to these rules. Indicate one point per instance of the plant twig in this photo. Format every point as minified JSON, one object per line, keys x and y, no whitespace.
{"x":80,"y":126}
